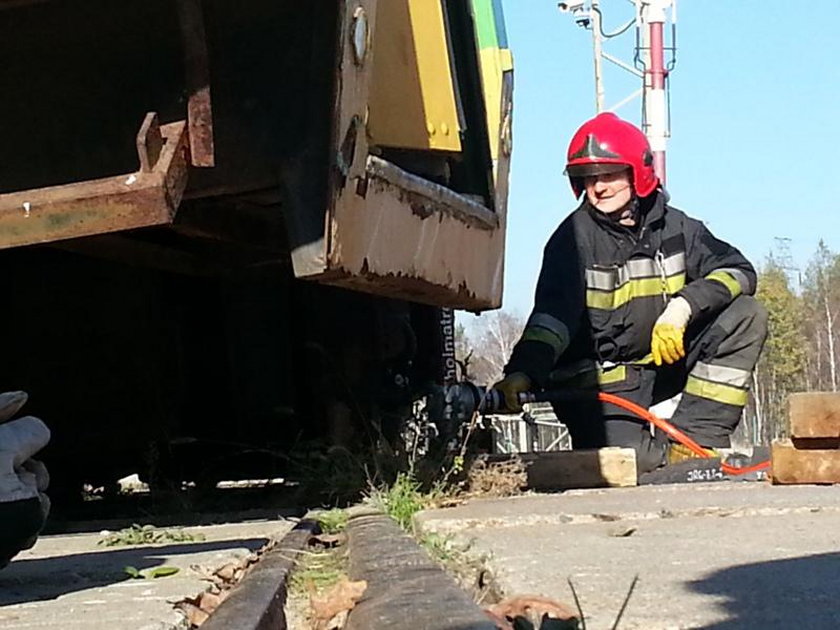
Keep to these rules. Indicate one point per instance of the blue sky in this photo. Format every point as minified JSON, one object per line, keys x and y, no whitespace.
{"x":755,"y":131}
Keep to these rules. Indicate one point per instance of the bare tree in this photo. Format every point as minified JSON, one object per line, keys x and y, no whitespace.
{"x":491,"y":340}
{"x":822,"y":299}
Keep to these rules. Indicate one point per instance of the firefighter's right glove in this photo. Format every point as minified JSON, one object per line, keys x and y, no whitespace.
{"x":510,"y":387}
{"x":666,"y":344}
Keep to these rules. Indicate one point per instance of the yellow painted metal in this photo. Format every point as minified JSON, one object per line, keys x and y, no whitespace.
{"x":412,"y":96}
{"x":494,"y":63}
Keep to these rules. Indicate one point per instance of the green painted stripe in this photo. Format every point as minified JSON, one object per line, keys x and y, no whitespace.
{"x":485,"y":24}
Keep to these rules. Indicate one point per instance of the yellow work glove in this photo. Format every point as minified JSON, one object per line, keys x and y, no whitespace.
{"x":510,"y":387}
{"x":666,"y":343}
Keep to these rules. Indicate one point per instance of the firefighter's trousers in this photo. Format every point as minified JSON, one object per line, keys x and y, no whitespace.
{"x":714,"y":379}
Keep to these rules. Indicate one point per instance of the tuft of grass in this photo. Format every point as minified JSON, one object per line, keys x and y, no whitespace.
{"x":442,"y":547}
{"x":402,"y":500}
{"x":147,"y":535}
{"x":319,"y":570}
{"x":332,"y":521}
{"x":315,"y":572}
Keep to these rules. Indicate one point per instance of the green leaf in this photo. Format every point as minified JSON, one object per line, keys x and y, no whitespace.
{"x":133,"y":573}
{"x":159,"y":572}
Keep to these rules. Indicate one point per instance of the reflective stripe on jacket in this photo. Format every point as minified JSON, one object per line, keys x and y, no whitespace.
{"x":602,"y":285}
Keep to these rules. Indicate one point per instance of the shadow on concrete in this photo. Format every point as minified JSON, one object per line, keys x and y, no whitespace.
{"x":37,"y":579}
{"x":793,"y":593}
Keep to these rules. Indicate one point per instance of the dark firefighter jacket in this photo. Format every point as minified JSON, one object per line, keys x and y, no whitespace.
{"x":602,"y":285}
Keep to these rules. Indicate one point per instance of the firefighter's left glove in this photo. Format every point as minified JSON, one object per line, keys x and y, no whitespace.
{"x":510,"y":387}
{"x":666,"y":344}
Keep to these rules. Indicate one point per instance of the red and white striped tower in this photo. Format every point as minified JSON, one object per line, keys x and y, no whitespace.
{"x":655,"y":100}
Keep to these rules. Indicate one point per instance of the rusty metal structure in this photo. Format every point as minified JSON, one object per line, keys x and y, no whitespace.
{"x":224,"y":225}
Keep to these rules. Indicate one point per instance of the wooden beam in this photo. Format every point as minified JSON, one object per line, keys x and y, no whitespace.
{"x":814,"y":415}
{"x":585,"y":468}
{"x":791,"y":465}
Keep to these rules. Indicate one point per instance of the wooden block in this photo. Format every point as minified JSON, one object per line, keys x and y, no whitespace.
{"x":586,"y":468}
{"x":790,"y":465}
{"x":814,"y":415}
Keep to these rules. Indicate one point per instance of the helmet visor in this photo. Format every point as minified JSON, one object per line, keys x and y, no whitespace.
{"x":594,"y":168}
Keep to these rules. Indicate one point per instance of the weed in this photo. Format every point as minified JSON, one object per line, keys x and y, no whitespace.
{"x":319,"y":569}
{"x":332,"y":521}
{"x":147,"y":535}
{"x":315,"y":572}
{"x":404,"y":498}
{"x":154,"y":573}
{"x":469,"y":568}
{"x":441,"y":547}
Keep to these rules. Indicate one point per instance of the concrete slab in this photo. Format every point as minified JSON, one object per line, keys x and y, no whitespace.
{"x":723,"y":555}
{"x":70,"y":582}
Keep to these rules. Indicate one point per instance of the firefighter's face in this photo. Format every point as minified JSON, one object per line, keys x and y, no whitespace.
{"x":609,"y":192}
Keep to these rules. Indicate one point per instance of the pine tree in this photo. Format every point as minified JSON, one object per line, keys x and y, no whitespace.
{"x":782,"y":366}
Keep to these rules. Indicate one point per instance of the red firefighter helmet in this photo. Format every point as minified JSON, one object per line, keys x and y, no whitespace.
{"x":607,"y":144}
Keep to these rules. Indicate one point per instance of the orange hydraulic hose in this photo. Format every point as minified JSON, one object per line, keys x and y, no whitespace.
{"x":675,"y":433}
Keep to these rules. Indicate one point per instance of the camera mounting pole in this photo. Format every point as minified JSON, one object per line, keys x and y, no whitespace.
{"x":649,"y":63}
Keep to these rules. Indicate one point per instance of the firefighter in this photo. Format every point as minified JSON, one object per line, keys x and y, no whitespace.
{"x":637,"y":299}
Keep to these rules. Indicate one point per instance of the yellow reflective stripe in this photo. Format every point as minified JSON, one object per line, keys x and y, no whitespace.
{"x":612,"y":375}
{"x":646,"y":287}
{"x":552,"y":324}
{"x":740,"y":276}
{"x":543,"y":335}
{"x":716,"y":391}
{"x":727,"y":280}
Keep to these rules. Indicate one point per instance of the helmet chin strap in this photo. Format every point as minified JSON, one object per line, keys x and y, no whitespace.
{"x":630,"y":213}
{"x":627,"y":216}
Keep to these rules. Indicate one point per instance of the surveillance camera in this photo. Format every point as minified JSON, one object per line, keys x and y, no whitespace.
{"x":570,"y":7}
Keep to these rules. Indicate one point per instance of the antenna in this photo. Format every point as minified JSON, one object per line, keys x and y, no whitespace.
{"x":785,"y":261}
{"x":649,"y":63}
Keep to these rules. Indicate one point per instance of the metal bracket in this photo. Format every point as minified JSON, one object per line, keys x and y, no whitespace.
{"x":149,"y":142}
{"x":147,"y":197}
{"x":197,"y":71}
